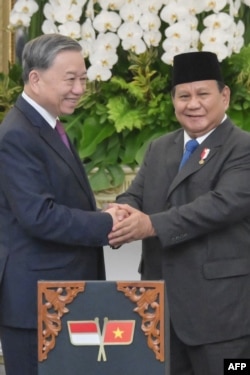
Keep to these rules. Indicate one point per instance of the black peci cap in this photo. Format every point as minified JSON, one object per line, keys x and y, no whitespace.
{"x":195,"y":66}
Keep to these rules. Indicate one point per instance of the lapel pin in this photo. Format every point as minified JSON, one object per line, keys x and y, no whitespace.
{"x":204,"y":155}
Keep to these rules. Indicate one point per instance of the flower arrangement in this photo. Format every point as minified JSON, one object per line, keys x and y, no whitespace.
{"x":129,"y":47}
{"x":175,"y":26}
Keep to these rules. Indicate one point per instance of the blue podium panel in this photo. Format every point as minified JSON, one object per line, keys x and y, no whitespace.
{"x":101,"y":328}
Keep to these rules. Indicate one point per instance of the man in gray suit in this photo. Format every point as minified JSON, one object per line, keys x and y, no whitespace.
{"x":195,"y":221}
{"x":49,"y":226}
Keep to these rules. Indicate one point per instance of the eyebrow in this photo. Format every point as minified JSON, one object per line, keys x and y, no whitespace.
{"x":84,"y":74}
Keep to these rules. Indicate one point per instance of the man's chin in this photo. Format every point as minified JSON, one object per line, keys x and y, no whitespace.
{"x":68,"y":110}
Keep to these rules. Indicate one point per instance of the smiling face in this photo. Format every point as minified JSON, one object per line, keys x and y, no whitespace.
{"x":200,"y":106}
{"x":59,"y":88}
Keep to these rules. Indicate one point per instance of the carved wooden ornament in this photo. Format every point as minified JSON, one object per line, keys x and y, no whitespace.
{"x":54,"y":296}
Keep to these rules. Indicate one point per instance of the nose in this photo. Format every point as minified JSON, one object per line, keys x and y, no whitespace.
{"x":193,"y":102}
{"x":79,"y":87}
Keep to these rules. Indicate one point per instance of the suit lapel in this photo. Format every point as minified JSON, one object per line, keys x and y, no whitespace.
{"x":50,"y":136}
{"x":213,"y":142}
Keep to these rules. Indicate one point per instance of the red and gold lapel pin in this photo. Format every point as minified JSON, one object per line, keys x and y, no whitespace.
{"x":204,"y":155}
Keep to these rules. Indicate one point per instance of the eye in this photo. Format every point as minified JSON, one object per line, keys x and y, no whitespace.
{"x":183,"y":96}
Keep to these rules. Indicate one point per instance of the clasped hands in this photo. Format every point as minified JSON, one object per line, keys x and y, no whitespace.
{"x":129,"y":224}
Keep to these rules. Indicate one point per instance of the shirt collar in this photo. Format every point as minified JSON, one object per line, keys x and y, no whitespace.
{"x":203,"y":137}
{"x":45,"y":114}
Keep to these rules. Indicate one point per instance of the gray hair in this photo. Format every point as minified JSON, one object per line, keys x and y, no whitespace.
{"x":40,"y":53}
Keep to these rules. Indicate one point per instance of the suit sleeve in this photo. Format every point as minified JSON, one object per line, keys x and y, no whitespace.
{"x":218,"y":199}
{"x":28,"y":194}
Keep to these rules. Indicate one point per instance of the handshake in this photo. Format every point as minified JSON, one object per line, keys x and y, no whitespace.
{"x":129,"y":224}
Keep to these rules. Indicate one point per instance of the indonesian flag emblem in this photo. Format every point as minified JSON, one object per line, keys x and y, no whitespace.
{"x":115,"y":332}
{"x":204,"y":155}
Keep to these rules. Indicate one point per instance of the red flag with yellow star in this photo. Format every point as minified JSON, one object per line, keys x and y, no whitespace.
{"x":118,"y":332}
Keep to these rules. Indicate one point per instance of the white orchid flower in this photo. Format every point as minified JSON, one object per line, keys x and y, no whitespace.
{"x":19,"y":20}
{"x":172,"y":13}
{"x":108,"y":42}
{"x":221,"y":21}
{"x":152,"y":6}
{"x":152,"y":38}
{"x":192,"y":21}
{"x":98,"y":73}
{"x":111,"y":4}
{"x":28,"y":7}
{"x":49,"y":12}
{"x":234,"y":6}
{"x":103,"y":58}
{"x":238,"y":29}
{"x":130,"y":13}
{"x":135,"y":45}
{"x":89,"y":13}
{"x":150,"y":22}
{"x":130,"y":30}
{"x":63,"y":14}
{"x":87,"y":47}
{"x":194,"y":7}
{"x":215,"y":5}
{"x":87,"y":31}
{"x":194,"y":38}
{"x":49,"y":27}
{"x":179,"y":31}
{"x":214,"y":36}
{"x":220,"y":50}
{"x":71,"y":29}
{"x":236,"y":44}
{"x":174,"y":47}
{"x":106,"y":21}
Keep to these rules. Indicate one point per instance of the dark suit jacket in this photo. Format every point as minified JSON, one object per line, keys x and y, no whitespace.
{"x":202,"y":219}
{"x":49,"y":226}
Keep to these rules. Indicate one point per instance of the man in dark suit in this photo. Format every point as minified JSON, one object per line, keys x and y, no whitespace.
{"x":195,"y":221}
{"x":49,"y":226}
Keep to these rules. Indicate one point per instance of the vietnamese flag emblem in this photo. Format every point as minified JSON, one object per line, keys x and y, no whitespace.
{"x":118,"y":332}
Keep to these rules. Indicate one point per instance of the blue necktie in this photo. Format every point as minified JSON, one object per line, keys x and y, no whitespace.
{"x":190,"y":147}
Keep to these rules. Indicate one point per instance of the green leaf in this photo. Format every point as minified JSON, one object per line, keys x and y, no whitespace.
{"x":93,"y":133}
{"x":116,"y":174}
{"x":99,"y":180}
{"x":123,"y":116}
{"x":106,"y":178}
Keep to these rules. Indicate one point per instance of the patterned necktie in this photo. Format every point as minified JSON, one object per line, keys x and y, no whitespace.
{"x":190,"y":147}
{"x":60,"y":130}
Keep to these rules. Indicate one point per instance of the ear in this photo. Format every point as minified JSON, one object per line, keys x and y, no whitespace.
{"x":34,"y":79}
{"x":226,"y":96}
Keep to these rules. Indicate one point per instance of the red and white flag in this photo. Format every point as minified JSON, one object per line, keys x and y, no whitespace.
{"x":84,"y":332}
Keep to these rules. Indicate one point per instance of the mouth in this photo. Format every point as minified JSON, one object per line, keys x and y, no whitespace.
{"x":194,"y":116}
{"x":73,"y":101}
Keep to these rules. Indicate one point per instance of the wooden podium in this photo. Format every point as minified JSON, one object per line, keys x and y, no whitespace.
{"x":101,"y":328}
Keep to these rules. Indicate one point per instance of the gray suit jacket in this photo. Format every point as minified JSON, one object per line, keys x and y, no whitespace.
{"x":202,"y":218}
{"x":49,"y":226}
